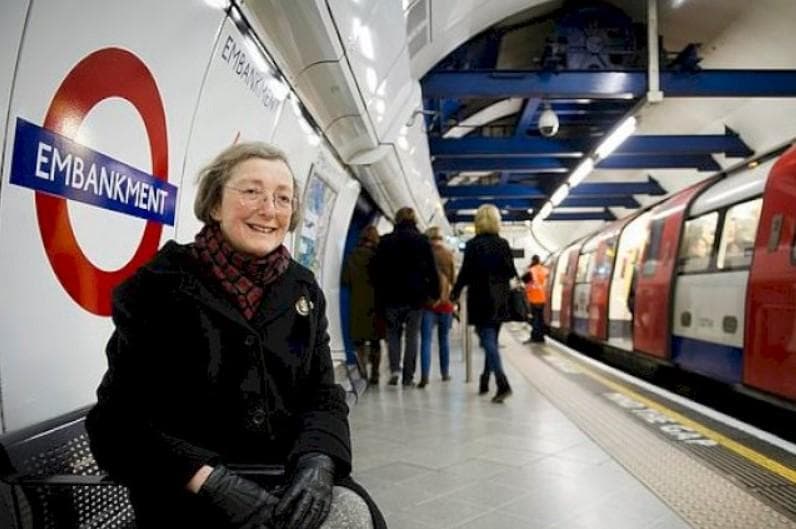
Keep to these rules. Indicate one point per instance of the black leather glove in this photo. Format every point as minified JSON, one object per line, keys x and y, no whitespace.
{"x":244,"y":503}
{"x":308,"y":498}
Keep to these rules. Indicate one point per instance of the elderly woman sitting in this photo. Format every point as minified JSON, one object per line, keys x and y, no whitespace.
{"x":219,"y":361}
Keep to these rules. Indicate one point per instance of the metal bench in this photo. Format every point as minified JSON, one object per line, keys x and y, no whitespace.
{"x":50,"y":480}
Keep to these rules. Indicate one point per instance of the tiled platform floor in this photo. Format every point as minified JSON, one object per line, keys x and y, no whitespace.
{"x":444,"y":457}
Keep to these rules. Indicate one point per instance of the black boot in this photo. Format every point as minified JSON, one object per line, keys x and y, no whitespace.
{"x":503,"y":389}
{"x":362,"y":360}
{"x":483,"y":387}
{"x":375,"y":362}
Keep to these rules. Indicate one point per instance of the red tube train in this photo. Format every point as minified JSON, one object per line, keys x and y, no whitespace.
{"x":704,"y":280}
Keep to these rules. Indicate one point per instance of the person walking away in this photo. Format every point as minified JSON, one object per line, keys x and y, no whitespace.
{"x":365,"y":327}
{"x":406,"y":278}
{"x":219,"y":360}
{"x":438,"y":312}
{"x":536,"y":292}
{"x":487,"y":267}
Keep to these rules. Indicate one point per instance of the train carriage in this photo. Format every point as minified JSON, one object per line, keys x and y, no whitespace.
{"x":704,"y":280}
{"x":769,"y":362}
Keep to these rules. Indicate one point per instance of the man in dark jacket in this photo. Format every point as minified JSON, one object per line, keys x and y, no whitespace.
{"x":406,"y":278}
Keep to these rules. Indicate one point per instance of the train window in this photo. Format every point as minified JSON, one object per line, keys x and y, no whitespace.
{"x":738,"y":235}
{"x":652,"y":249}
{"x":697,"y":245}
{"x":793,"y":250}
{"x":584,"y":267}
{"x":603,"y":266}
{"x":775,"y":233}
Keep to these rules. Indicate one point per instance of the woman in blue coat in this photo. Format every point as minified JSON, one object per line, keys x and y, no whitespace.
{"x":220,"y":364}
{"x":486,"y":270}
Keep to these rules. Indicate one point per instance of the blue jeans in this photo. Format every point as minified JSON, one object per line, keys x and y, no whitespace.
{"x":488,"y":334}
{"x":443,"y":322}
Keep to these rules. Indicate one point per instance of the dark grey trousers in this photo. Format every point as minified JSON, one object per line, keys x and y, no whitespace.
{"x":403,"y":320}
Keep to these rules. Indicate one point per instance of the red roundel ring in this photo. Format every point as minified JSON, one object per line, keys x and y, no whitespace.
{"x":105,"y":73}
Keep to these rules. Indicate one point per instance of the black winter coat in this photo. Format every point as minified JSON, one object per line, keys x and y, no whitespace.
{"x":486,"y":270}
{"x":404,"y":269}
{"x":357,"y":275}
{"x":191,"y":382}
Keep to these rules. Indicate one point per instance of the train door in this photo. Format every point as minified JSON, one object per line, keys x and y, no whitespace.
{"x":651,"y":324}
{"x":568,"y":287}
{"x":604,"y":262}
{"x":770,"y":355}
{"x":620,"y":316}
{"x":582,"y":290}
{"x":598,"y":289}
{"x":557,"y":283}
{"x":548,"y":307}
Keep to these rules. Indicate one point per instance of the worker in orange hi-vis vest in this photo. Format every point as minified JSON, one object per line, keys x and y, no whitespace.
{"x":535,"y":289}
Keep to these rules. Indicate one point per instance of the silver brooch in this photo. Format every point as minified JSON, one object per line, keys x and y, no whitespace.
{"x":303,"y":306}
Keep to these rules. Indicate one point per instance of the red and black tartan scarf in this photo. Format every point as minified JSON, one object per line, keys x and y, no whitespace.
{"x":242,"y":276}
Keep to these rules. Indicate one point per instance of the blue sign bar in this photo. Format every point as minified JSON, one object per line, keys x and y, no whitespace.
{"x":607,"y":84}
{"x":48,"y":162}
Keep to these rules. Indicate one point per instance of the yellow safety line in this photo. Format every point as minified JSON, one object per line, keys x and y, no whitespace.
{"x":752,"y":455}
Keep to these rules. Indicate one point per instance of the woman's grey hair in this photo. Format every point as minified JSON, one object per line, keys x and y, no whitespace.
{"x":487,"y":219}
{"x":215,"y":175}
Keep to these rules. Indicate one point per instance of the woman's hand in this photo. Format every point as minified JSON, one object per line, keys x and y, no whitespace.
{"x":245,"y":504}
{"x":308,"y":499}
{"x":199,"y":479}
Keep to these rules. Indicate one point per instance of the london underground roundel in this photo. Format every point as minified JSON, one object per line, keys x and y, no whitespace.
{"x":105,"y":73}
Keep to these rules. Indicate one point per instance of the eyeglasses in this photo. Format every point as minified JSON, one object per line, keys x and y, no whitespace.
{"x":252,"y":197}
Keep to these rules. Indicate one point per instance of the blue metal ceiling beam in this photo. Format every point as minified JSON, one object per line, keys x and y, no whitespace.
{"x":582,"y":215}
{"x":605,"y":84}
{"x":456,"y":165}
{"x":511,"y":190}
{"x":516,"y":146}
{"x":526,"y":203}
{"x":600,"y":202}
{"x":729,"y":83}
{"x":590,"y":105}
{"x":650,"y":187}
{"x":503,"y":203}
{"x":729,"y":144}
{"x":587,"y":111}
{"x":524,"y":215}
{"x":526,"y":116}
{"x":586,"y":189}
{"x":509,"y":83}
{"x":520,"y":177}
{"x":700,"y":162}
{"x":510,"y":203}
{"x":447,"y":108}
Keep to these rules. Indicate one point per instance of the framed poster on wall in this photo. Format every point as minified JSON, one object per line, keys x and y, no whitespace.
{"x":318,"y":204}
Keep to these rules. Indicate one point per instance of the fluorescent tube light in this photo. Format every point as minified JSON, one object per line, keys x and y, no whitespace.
{"x":546,"y":210}
{"x":581,"y":172}
{"x":615,"y":139}
{"x":559,"y":195}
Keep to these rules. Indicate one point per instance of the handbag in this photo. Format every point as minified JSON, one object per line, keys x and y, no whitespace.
{"x":518,"y":305}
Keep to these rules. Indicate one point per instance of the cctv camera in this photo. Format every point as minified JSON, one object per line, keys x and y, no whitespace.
{"x":548,"y":122}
